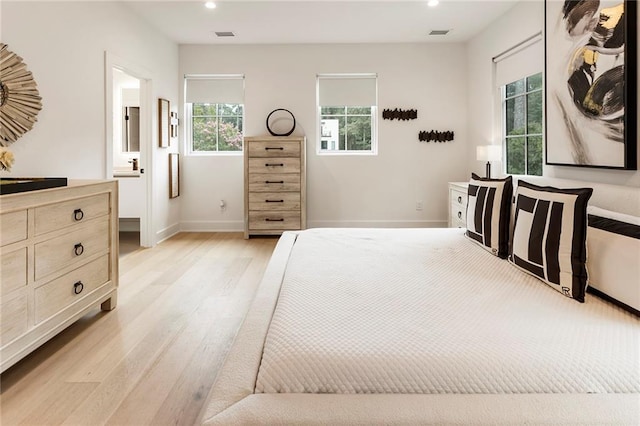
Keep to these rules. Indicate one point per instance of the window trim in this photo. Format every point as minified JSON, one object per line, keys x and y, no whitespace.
{"x":374,"y":117}
{"x":188,"y":123}
{"x":526,"y":135}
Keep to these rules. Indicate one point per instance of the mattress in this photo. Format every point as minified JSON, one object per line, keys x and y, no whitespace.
{"x":364,"y":311}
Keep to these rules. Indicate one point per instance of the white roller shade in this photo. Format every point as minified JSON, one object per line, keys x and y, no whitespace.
{"x":215,"y":89}
{"x":522,"y":61}
{"x":347,"y":90}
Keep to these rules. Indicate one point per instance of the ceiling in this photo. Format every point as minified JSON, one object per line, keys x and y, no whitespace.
{"x":319,"y":21}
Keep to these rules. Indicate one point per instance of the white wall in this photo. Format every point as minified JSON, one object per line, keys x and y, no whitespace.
{"x":520,"y":22}
{"x":64,"y":44}
{"x":377,"y":190}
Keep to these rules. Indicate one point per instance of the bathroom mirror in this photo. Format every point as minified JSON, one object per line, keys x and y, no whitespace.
{"x":130,"y":129}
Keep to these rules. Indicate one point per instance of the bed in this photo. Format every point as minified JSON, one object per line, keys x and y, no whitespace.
{"x":423,"y":326}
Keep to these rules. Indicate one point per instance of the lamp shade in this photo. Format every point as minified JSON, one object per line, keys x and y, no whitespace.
{"x":489,"y":152}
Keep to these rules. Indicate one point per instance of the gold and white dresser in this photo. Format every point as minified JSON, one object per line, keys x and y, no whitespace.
{"x":458,"y":204}
{"x":59,"y":259}
{"x":275,"y":185}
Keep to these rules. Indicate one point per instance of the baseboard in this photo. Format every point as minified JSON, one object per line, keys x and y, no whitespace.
{"x":377,"y":224}
{"x":212,"y":226}
{"x":129,"y":224}
{"x":167,"y":232}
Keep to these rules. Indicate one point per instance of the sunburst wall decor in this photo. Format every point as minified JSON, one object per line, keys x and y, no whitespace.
{"x":20,"y":100}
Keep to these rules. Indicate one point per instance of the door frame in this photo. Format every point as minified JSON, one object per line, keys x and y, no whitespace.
{"x":147,"y":235}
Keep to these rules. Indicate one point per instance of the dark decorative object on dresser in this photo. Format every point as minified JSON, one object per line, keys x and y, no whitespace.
{"x":591,"y":72}
{"x":279,"y":116}
{"x":15,"y":185}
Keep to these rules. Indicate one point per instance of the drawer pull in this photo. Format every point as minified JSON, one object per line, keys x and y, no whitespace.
{"x":459,"y":215}
{"x":274,"y":201}
{"x":273,"y":181}
{"x":78,"y":287}
{"x":274,"y":220}
{"x":274,"y":165}
{"x":459,"y":198}
{"x":78,"y":214}
{"x":276,"y":149}
{"x":78,"y":249}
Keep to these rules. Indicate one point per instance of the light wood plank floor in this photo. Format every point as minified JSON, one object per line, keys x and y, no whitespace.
{"x":153,"y":359}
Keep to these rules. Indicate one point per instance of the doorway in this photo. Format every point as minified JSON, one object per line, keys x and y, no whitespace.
{"x":128,"y":118}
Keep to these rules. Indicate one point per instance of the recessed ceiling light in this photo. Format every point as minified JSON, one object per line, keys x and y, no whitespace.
{"x":432,"y":3}
{"x":210,"y":5}
{"x":439,"y":32}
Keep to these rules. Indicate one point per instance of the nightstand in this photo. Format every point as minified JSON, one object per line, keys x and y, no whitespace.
{"x":458,"y":204}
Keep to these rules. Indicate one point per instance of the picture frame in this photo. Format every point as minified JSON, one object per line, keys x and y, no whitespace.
{"x":174,"y":175}
{"x":164,"y":123}
{"x":591,"y":84}
{"x":174,"y":124}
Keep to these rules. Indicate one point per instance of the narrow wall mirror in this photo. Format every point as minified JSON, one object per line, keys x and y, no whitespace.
{"x":130,"y":129}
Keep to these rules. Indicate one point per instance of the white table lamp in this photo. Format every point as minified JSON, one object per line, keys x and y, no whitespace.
{"x":489,"y":153}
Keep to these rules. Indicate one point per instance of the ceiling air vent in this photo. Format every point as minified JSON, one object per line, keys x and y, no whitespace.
{"x":225,"y":34}
{"x":439,"y":32}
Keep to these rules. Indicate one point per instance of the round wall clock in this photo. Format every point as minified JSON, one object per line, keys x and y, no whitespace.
{"x":20,"y":100}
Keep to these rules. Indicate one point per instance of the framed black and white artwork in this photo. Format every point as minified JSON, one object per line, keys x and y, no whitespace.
{"x":591,"y":83}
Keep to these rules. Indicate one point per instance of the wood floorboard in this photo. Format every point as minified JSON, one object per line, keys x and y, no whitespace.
{"x":153,"y":359}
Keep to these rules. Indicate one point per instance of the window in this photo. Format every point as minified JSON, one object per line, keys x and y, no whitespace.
{"x":522,"y":116}
{"x":347,"y":113}
{"x":518,"y":104}
{"x":214,"y":113}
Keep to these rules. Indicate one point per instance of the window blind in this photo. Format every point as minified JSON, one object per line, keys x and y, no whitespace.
{"x":347,"y":90}
{"x":214,"y":89}
{"x":522,"y":60}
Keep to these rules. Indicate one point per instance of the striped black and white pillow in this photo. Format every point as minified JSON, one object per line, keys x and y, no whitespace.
{"x":549,"y":236}
{"x":488,"y":213}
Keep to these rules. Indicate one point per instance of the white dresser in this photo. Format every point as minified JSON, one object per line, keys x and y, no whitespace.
{"x":275,"y":185}
{"x":458,"y":204}
{"x":59,"y":259}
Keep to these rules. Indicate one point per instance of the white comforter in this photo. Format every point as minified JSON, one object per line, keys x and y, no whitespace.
{"x":427,"y":311}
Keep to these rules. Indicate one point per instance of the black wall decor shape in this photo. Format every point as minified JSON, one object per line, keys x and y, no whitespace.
{"x":399,"y":114}
{"x":435,"y":136}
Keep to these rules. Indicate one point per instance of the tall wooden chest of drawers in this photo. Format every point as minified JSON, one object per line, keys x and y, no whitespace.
{"x":274,"y":185}
{"x":59,"y":259}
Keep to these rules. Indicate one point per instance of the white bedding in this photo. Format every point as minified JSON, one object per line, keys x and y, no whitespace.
{"x":410,"y":311}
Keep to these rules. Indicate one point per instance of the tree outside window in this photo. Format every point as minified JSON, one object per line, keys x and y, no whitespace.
{"x":345,"y":128}
{"x":522,"y":115}
{"x":216,"y":127}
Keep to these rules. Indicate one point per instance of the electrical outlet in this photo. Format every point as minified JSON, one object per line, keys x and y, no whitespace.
{"x":419,"y":205}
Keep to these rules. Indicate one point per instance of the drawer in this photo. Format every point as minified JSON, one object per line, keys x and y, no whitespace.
{"x":13,"y":316}
{"x":458,"y":213}
{"x":274,"y":201}
{"x":75,"y":246}
{"x":60,"y":215}
{"x":274,"y":165}
{"x":56,"y":295}
{"x":13,"y":267}
{"x":458,"y":224}
{"x":458,"y":198}
{"x":274,"y":220}
{"x":13,"y":227}
{"x":274,"y":149}
{"x":262,"y":182}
